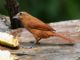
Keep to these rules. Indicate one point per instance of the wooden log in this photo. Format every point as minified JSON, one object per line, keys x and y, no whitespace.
{"x":12,"y":7}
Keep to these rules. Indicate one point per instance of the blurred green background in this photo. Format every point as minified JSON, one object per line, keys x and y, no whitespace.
{"x":48,"y":10}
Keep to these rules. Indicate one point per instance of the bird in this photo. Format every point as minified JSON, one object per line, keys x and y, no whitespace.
{"x":37,"y":27}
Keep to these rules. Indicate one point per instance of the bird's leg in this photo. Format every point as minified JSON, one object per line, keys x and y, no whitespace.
{"x":37,"y":40}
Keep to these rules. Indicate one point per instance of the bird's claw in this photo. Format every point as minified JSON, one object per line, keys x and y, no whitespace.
{"x":32,"y":42}
{"x":37,"y":43}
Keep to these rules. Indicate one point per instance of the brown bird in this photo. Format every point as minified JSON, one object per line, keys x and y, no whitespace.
{"x":38,"y":28}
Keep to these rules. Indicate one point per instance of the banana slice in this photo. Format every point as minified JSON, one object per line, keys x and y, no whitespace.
{"x":8,"y":40}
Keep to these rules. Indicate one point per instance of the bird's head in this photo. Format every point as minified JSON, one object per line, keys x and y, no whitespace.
{"x":20,"y":15}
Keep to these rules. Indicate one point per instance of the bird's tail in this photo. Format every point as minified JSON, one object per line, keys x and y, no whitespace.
{"x":62,"y":36}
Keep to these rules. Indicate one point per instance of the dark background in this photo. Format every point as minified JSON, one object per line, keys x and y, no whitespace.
{"x":48,"y":10}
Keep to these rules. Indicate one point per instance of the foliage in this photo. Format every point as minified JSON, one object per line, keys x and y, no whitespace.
{"x":48,"y":10}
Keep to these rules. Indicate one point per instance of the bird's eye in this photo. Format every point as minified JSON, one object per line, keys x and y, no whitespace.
{"x":20,"y":13}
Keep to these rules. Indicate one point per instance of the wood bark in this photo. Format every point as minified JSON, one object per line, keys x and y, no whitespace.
{"x":12,"y":7}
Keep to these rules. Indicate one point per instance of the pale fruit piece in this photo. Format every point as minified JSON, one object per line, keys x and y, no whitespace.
{"x":8,"y":40}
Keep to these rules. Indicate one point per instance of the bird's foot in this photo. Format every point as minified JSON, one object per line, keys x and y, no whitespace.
{"x":37,"y":43}
{"x":32,"y":42}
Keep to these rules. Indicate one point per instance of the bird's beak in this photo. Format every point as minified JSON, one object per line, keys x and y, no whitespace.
{"x":15,"y":17}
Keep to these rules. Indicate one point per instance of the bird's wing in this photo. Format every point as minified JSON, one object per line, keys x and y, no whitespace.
{"x":37,"y":24}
